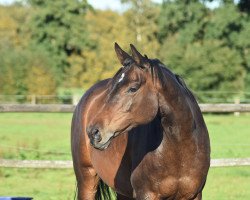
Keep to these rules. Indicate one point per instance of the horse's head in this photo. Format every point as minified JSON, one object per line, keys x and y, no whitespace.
{"x":130,"y":99}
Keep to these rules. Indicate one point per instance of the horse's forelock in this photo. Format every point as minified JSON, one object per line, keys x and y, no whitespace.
{"x":118,"y":78}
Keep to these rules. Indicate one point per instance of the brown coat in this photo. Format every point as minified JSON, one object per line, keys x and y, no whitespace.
{"x":142,"y":133}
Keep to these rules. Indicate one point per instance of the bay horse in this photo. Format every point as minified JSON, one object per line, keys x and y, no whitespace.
{"x":141,"y":133}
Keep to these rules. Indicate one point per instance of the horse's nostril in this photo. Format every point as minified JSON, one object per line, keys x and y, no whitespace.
{"x":94,"y":134}
{"x":95,"y":131}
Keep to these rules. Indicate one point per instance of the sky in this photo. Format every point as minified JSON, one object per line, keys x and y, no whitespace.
{"x":109,"y":4}
{"x":100,"y":4}
{"x":116,"y":4}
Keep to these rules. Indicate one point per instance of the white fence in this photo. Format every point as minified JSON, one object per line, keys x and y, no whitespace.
{"x":221,"y":108}
{"x":213,"y":108}
{"x":67,"y":164}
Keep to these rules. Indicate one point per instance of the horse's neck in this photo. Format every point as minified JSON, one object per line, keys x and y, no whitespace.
{"x":177,"y":111}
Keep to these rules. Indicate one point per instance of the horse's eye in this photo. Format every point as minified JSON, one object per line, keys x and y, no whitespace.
{"x":133,"y":89}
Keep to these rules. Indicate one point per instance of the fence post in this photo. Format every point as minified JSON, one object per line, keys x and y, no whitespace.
{"x":75,"y":99}
{"x":33,"y":99}
{"x":237,"y":101}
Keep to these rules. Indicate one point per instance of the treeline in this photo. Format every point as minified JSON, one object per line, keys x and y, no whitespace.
{"x":49,"y":46}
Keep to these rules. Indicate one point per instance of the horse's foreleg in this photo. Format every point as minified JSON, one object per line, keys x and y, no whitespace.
{"x":87,"y":184}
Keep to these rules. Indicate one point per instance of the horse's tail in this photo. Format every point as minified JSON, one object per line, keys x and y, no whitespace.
{"x":104,"y":192}
{"x":76,"y":191}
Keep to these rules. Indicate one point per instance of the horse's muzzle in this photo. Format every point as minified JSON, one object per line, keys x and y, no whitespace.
{"x":94,"y":134}
{"x":96,"y":139}
{"x":101,"y":146}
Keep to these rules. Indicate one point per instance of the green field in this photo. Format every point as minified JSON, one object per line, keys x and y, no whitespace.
{"x":47,"y":137}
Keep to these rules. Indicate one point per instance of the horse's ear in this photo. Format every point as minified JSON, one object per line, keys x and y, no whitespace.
{"x":122,"y":55}
{"x":139,"y":59}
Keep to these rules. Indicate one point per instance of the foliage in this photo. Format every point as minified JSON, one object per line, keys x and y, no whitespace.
{"x":141,"y":21}
{"x":100,"y":61}
{"x":25,"y":71}
{"x":203,"y":46}
{"x":244,"y":5}
{"x":192,"y":61}
{"x":177,"y":16}
{"x":49,"y":45}
{"x":59,"y":27}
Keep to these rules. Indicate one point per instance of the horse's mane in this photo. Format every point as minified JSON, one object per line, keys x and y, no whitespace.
{"x":162,"y":70}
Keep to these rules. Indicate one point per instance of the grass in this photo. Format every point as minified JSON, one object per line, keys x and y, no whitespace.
{"x":35,"y":136}
{"x":229,"y":135}
{"x":41,"y":184}
{"x":228,"y":184}
{"x":47,"y":136}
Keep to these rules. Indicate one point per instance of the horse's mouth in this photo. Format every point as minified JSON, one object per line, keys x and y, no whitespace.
{"x":126,"y":129}
{"x":102,"y":146}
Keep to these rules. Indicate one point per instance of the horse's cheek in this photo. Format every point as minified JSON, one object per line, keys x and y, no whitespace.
{"x":150,"y":108}
{"x":126,"y":107}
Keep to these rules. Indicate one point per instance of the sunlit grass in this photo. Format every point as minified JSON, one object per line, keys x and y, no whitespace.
{"x":47,"y":136}
{"x":35,"y":136}
{"x":41,"y":184}
{"x":229,"y":135}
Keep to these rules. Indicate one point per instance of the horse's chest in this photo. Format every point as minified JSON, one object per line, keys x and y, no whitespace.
{"x":169,"y":186}
{"x":161,"y":178}
{"x":110,"y":163}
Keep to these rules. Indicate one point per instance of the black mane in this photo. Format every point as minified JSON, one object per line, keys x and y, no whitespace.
{"x":162,"y":70}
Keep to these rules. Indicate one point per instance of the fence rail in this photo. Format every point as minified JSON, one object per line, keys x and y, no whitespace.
{"x":36,"y":108}
{"x":206,"y":108}
{"x":221,"y":108}
{"x":225,"y":108}
{"x":49,"y":164}
{"x":60,"y":164}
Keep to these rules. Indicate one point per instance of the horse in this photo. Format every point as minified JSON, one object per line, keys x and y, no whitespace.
{"x":141,"y":133}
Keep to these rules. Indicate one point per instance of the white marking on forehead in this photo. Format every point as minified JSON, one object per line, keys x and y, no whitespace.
{"x":121,"y":78}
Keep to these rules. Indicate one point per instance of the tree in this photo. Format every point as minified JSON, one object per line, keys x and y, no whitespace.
{"x":244,"y":6}
{"x":232,"y":27}
{"x":40,"y":81}
{"x":205,"y":67}
{"x":18,"y":73}
{"x":59,"y":27}
{"x":188,"y":16}
{"x":199,"y":44}
{"x":224,"y":23}
{"x":100,"y":62}
{"x":10,"y":19}
{"x":141,"y":21}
